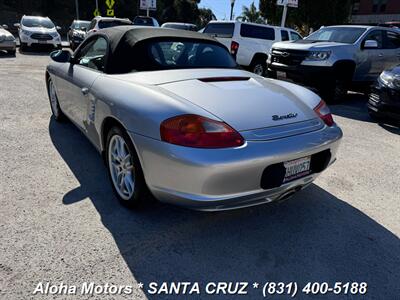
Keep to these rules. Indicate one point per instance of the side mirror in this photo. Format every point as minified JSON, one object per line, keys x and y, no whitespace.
{"x":58,"y":27}
{"x":5,"y":26}
{"x":84,"y":29}
{"x":17,"y":25}
{"x":370,"y":44}
{"x":61,"y":56}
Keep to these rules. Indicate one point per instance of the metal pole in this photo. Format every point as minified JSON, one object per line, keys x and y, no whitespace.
{"x":97,"y":5}
{"x":148,"y":11}
{"x":77,"y":9}
{"x":232,"y":4}
{"x":284,"y":15}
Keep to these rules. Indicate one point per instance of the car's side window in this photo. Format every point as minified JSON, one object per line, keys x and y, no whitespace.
{"x":392,"y":40}
{"x":93,"y":54}
{"x":257,"y":32}
{"x":285,"y":35}
{"x":376,"y":35}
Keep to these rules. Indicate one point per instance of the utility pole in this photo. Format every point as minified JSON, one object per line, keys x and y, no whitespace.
{"x":232,"y":5}
{"x":284,"y":14}
{"x":77,"y":9}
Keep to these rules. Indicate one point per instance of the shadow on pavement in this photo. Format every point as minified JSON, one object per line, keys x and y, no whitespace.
{"x":4,"y":54}
{"x":312,"y":237}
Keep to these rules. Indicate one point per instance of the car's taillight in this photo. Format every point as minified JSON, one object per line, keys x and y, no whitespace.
{"x":199,"y":132}
{"x":324,"y":113}
{"x":234,"y":48}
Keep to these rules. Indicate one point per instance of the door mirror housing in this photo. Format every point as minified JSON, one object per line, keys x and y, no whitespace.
{"x":17,"y":25}
{"x":61,"y":56}
{"x":84,"y":29}
{"x":5,"y":26}
{"x":370,"y":44}
{"x":58,"y":27}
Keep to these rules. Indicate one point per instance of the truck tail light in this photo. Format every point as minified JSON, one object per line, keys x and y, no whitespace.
{"x":234,"y":48}
{"x":199,"y":132}
{"x":324,"y":113}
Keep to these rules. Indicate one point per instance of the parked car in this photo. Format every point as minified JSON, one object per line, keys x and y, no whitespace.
{"x":249,"y":43}
{"x":337,"y":58}
{"x":186,"y":123}
{"x":145,"y":21}
{"x":384,"y":100}
{"x":33,"y":30}
{"x":182,"y":26}
{"x":77,"y":32}
{"x":7,"y":40}
{"x":98,"y":23}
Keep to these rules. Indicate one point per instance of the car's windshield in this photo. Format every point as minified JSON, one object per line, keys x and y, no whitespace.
{"x":347,"y":35}
{"x":143,"y":21}
{"x":113,"y":23}
{"x":79,"y":24}
{"x":37,"y":22}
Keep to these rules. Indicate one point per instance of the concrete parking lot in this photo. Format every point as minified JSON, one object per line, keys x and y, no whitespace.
{"x":60,"y":222}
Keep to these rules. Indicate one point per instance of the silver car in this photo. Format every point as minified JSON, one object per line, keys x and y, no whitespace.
{"x":174,"y":116}
{"x":7,"y":40}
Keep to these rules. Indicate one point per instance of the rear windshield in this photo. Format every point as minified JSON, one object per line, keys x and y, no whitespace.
{"x":347,"y":35}
{"x":37,"y":22}
{"x":113,"y":23}
{"x":143,"y":21}
{"x":257,"y":32}
{"x":180,"y":26}
{"x":80,"y":24}
{"x":220,"y":29}
{"x":170,"y":53}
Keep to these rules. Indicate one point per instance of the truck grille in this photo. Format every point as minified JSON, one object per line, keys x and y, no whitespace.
{"x":41,"y":36}
{"x":374,"y":98}
{"x":288,"y":57}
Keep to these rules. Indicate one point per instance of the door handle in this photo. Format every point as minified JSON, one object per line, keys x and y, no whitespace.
{"x":85,"y":91}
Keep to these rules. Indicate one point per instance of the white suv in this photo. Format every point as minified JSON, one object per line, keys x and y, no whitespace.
{"x":38,"y":30}
{"x":250,"y":43}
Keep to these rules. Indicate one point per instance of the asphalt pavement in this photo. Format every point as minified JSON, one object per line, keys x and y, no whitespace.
{"x":61,"y":223}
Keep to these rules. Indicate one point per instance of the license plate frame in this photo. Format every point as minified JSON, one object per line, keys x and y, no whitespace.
{"x":42,"y":42}
{"x":297,"y":168}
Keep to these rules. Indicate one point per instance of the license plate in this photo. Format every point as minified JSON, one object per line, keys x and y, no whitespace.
{"x":42,"y":42}
{"x":297,"y":168}
{"x":281,"y":74}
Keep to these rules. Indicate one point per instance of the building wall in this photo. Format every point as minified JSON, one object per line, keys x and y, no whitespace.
{"x":375,"y":11}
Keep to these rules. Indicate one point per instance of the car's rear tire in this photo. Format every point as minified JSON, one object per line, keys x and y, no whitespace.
{"x":12,"y":52}
{"x":336,"y":92}
{"x":258,"y":66}
{"x":125,"y":170}
{"x":58,"y":114}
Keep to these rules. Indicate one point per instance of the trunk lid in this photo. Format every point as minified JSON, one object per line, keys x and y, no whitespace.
{"x":242,"y":100}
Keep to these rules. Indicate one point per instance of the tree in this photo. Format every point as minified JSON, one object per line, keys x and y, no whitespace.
{"x":250,"y":14}
{"x":205,"y":16}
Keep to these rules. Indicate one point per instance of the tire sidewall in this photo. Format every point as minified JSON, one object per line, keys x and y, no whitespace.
{"x":60,"y":115}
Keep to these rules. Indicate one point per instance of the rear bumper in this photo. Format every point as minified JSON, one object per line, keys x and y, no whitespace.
{"x":218,"y":179}
{"x":384,"y":101}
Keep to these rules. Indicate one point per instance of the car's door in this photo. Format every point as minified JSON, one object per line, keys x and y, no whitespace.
{"x":372,"y":61}
{"x":391,"y":45}
{"x":78,"y":77}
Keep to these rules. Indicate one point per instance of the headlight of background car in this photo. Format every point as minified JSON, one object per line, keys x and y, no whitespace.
{"x":318,"y":55}
{"x":54,"y":34}
{"x":390,"y":79}
{"x":78,"y":34}
{"x":24,"y":32}
{"x":10,"y":38}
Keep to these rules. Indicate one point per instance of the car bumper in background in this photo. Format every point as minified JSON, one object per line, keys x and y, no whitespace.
{"x":8,"y":45}
{"x":384,"y":101}
{"x":218,"y":179}
{"x":55,"y":42}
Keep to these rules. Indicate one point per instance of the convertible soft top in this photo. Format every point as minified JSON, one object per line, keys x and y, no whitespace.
{"x":124,"y":42}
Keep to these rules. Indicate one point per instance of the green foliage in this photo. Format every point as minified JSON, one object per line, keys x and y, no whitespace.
{"x":250,"y":14}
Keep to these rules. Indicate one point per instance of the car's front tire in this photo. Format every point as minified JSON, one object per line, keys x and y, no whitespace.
{"x":259,"y":67}
{"x":125,"y":170}
{"x":54,"y":104}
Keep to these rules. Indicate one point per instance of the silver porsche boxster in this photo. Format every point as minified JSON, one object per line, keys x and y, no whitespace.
{"x":173,"y":115}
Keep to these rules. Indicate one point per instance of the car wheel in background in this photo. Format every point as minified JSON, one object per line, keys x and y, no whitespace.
{"x":54,"y":104}
{"x":12,"y":52}
{"x":23,"y":47}
{"x":125,"y":170}
{"x":258,"y":67}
